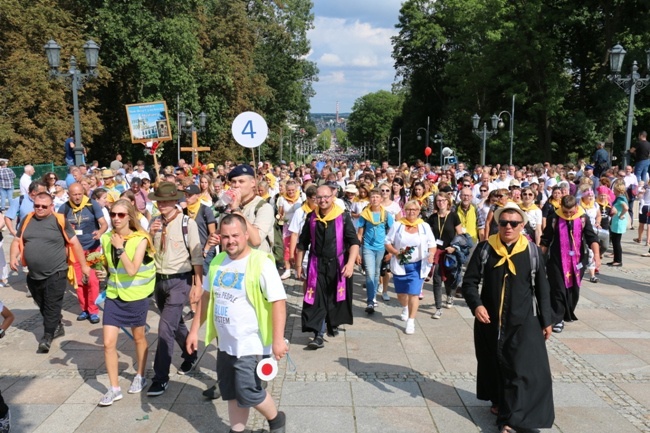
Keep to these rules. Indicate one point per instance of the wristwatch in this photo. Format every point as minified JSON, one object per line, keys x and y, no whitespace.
{"x":2,"y":332}
{"x":119,"y":251}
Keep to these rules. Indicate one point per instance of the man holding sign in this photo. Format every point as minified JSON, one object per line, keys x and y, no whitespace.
{"x":245,"y":304}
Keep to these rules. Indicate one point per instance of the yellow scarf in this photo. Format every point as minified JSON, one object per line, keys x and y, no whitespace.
{"x":576,"y":215}
{"x":289,"y":199}
{"x":411,"y":224}
{"x":75,"y":208}
{"x":306,"y":208}
{"x":532,"y":206}
{"x":555,"y":203}
{"x":266,"y":196}
{"x":367,"y":215}
{"x":501,"y":250}
{"x":193,"y":209}
{"x":587,"y":205}
{"x":422,"y":199}
{"x":150,"y":248}
{"x":334,"y":213}
{"x":603,"y":204}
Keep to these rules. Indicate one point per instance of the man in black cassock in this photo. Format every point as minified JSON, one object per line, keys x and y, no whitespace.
{"x":333,"y":245}
{"x":513,"y":320}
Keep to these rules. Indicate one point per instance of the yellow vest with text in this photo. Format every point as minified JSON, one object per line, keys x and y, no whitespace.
{"x":120,"y":283}
{"x":469,"y":221}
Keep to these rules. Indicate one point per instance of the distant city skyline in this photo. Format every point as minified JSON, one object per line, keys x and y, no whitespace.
{"x":351,"y":46}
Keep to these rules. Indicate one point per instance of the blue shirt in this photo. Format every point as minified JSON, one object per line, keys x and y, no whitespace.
{"x":84,"y":223}
{"x":69,"y":152}
{"x":17,"y":208}
{"x":374,"y":235}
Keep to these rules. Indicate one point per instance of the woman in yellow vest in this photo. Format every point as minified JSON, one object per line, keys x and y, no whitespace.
{"x":128,"y":252}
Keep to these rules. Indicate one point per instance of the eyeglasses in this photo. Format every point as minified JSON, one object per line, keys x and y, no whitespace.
{"x":528,"y":193}
{"x":41,"y":206}
{"x":120,"y":215}
{"x":441,"y":201}
{"x":323,"y":197}
{"x":498,"y":195}
{"x":513,"y":224}
{"x":467,"y":185}
{"x":411,"y":210}
{"x":484,"y":190}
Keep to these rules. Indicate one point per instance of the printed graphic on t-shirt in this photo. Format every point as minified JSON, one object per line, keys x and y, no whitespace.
{"x":227,"y":280}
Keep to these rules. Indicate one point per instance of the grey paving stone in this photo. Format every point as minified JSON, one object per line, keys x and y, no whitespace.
{"x":616,"y":363}
{"x":467,"y":393}
{"x":319,"y":419}
{"x":26,"y":418}
{"x":66,"y":418}
{"x":592,"y":420}
{"x":319,"y":394}
{"x":195,"y":417}
{"x":576,"y":395}
{"x":376,"y":393}
{"x":393,"y":420}
{"x":440,"y":394}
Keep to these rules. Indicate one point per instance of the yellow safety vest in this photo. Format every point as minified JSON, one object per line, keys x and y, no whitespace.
{"x":120,"y":283}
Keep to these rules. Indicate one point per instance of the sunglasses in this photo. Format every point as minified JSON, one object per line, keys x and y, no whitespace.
{"x":467,"y":185}
{"x":484,"y":190}
{"x":498,"y":195}
{"x":528,"y":194}
{"x":513,"y":224}
{"x":41,"y":206}
{"x":120,"y":215}
{"x":385,"y":190}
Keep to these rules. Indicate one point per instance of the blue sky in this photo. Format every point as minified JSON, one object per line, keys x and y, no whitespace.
{"x":351,"y":46}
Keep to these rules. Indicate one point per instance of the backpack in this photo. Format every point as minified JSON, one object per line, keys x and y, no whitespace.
{"x":60,"y":219}
{"x":534,"y":265}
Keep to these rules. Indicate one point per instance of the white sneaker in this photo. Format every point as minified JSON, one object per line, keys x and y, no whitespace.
{"x":410,"y":327}
{"x":385,"y":296}
{"x":137,"y":385}
{"x":286,"y":274}
{"x":110,"y":397}
{"x":437,"y":314}
{"x":405,"y":314}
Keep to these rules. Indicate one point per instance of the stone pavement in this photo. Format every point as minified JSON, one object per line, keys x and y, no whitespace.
{"x":371,"y":378}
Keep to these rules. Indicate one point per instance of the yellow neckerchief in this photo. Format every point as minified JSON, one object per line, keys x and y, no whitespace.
{"x":586,"y":206}
{"x":367,"y":215}
{"x":532,"y":206}
{"x":289,"y":199}
{"x":502,"y":251}
{"x":306,"y":208}
{"x":423,"y":198}
{"x":271,"y":179}
{"x":555,"y":203}
{"x":333,"y":213}
{"x":84,"y":202}
{"x":266,"y":196}
{"x":150,"y":248}
{"x":603,"y":204}
{"x":576,"y":215}
{"x":193,"y":209}
{"x":408,"y":223}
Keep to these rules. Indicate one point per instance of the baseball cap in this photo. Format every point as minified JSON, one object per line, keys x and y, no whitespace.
{"x":241,"y":170}
{"x":192,"y":189}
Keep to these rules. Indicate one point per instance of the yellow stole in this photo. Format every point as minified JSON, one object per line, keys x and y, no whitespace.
{"x":576,"y":215}
{"x":193,"y":209}
{"x":333,"y":213}
{"x":556,"y":203}
{"x":289,"y":199}
{"x":587,"y":205}
{"x":84,"y":202}
{"x":532,"y":206}
{"x":367,"y":215}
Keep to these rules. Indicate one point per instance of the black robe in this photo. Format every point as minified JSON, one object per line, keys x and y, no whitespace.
{"x":564,"y":300}
{"x":513,"y":371}
{"x":325,"y":306}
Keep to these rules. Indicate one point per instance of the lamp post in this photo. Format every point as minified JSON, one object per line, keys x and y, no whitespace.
{"x":399,"y":147}
{"x":632,"y":84}
{"x":484,"y":133}
{"x":426,"y":140}
{"x":77,"y":79}
{"x":188,"y":127}
{"x":511,"y":116}
{"x":438,"y":139}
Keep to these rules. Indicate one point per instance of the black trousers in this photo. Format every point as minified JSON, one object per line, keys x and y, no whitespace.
{"x":3,"y":406}
{"x":48,"y":295}
{"x":616,"y":246}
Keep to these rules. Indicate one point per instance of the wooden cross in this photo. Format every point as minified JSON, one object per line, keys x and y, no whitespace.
{"x":195,"y":149}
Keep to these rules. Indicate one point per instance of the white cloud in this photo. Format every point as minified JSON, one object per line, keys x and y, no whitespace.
{"x":354,"y":58}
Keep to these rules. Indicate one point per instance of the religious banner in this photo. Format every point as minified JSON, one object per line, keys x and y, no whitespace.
{"x":148,"y":122}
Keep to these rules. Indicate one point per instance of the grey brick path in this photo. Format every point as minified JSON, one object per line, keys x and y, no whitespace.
{"x":371,"y":378}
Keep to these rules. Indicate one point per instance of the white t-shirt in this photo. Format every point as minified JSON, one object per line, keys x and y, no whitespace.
{"x":393,"y":209}
{"x":234,"y":315}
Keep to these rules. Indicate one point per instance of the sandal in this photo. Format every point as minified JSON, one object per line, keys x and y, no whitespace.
{"x":637,"y":240}
{"x":494,"y":410}
{"x":594,"y":279}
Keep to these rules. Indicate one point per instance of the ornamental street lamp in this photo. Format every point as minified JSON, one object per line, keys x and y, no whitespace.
{"x":399,"y":147}
{"x":426,"y":140}
{"x":77,"y":79}
{"x":511,"y":116}
{"x":438,"y":139}
{"x":632,"y":84}
{"x":484,"y":133}
{"x":187,"y":126}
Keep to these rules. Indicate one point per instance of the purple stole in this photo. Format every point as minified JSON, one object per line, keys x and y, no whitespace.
{"x":570,"y":243}
{"x":312,"y":272}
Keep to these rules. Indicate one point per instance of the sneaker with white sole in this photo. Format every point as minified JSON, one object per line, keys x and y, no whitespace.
{"x":137,"y":385}
{"x":110,"y":397}
{"x":410,"y":327}
{"x":450,"y":302}
{"x":405,"y":314}
{"x":385,"y":296}
{"x":286,"y":274}
{"x":437,"y":314}
{"x":5,"y":423}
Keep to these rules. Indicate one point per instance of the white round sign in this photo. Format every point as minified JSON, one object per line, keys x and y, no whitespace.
{"x":267,"y":369}
{"x":249,"y":129}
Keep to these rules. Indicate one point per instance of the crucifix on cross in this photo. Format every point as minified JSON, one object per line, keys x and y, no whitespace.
{"x":195,"y":149}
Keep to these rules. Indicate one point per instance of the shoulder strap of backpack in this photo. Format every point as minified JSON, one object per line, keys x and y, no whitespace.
{"x":258,"y":206}
{"x":185,"y":230}
{"x":534,"y":265}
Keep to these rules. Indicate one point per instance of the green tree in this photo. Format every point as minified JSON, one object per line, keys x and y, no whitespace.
{"x":324,"y":140}
{"x":372,"y":119}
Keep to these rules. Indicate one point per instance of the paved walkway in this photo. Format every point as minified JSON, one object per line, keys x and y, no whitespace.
{"x":371,"y":378}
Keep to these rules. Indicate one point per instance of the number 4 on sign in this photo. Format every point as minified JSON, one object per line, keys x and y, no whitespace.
{"x":248,"y":129}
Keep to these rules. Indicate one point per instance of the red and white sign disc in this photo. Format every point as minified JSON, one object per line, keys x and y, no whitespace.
{"x":267,"y":369}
